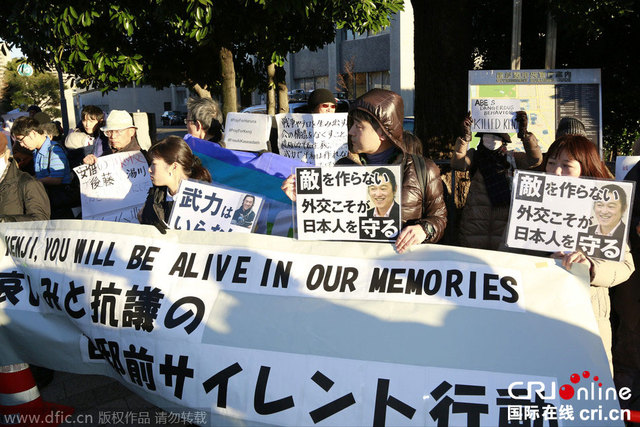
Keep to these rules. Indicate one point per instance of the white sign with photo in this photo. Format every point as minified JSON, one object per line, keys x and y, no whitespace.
{"x":349,"y":203}
{"x":247,"y":132}
{"x":494,"y":115}
{"x":114,"y":188}
{"x":561,"y":213}
{"x":316,"y":139}
{"x":205,"y":207}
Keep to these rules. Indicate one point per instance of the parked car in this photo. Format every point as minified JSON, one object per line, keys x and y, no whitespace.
{"x":170,"y":118}
{"x":294,"y":107}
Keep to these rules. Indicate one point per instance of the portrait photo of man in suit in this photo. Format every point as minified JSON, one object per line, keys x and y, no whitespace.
{"x":382,"y":195}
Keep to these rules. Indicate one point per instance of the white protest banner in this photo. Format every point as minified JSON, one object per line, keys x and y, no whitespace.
{"x":261,"y":329}
{"x":624,"y":164}
{"x":562,"y":213}
{"x":204,"y":207}
{"x":115,"y":187}
{"x":348,"y":203}
{"x":247,"y":132}
{"x":316,"y":139}
{"x":494,"y":115}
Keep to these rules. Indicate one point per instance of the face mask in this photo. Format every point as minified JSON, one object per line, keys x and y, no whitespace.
{"x":491,"y":142}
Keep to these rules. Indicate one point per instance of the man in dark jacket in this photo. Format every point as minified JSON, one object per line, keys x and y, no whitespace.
{"x":375,"y":138}
{"x":22,"y":197}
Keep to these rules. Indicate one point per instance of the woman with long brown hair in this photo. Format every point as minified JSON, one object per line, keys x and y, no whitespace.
{"x":171,"y":160}
{"x":575,"y":155}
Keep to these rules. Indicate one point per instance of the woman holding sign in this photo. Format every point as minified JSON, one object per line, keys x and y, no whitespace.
{"x":171,"y":160}
{"x":575,"y":155}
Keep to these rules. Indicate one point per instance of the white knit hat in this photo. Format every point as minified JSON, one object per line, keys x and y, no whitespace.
{"x":118,"y":119}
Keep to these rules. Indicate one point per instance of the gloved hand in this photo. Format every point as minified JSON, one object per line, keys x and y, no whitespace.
{"x":523,"y":122}
{"x":466,"y":127}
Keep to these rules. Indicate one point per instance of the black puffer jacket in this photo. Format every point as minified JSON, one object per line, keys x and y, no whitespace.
{"x":422,"y":203}
{"x":22,"y":197}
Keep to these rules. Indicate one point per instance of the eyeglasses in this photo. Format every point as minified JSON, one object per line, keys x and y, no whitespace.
{"x":331,"y":106}
{"x":19,"y":140}
{"x":114,"y":132}
{"x":186,"y":121}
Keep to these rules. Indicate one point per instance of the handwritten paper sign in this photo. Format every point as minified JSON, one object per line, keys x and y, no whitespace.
{"x":348,"y":203}
{"x":248,"y":132}
{"x":494,"y":115}
{"x":560,"y":213}
{"x":115,"y":187}
{"x":316,"y":139}
{"x":206,"y":207}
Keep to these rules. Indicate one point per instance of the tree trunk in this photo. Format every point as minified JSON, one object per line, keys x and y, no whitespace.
{"x":227,"y":70}
{"x":442,"y":52}
{"x":202,"y":92}
{"x":281,"y":87}
{"x":271,"y":91}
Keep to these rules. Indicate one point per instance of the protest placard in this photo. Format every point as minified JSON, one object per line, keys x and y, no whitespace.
{"x":562,"y":213}
{"x":546,"y":96}
{"x":255,"y":329}
{"x":624,"y":165}
{"x":204,"y":207}
{"x":316,"y":139}
{"x":349,"y":203}
{"x":115,"y":187}
{"x":495,"y":115}
{"x":248,"y":132}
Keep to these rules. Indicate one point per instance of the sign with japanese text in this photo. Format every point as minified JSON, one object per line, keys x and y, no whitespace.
{"x":115,"y":187}
{"x":546,"y":96}
{"x":247,"y":132}
{"x":624,"y":165}
{"x":349,"y":203}
{"x":494,"y":115}
{"x":259,"y":329}
{"x":316,"y":139}
{"x":561,"y":213}
{"x":204,"y":207}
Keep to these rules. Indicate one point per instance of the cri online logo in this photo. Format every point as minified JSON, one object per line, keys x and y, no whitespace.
{"x":567,"y":391}
{"x":592,"y":389}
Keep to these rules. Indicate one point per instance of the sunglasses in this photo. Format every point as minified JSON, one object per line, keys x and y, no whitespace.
{"x":331,"y":106}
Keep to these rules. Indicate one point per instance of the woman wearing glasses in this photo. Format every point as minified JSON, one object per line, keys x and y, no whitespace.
{"x":321,"y":101}
{"x":121,"y":134}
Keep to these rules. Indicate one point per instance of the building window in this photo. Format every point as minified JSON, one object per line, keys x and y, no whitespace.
{"x":310,"y":84}
{"x":380,"y":79}
{"x":358,"y":84}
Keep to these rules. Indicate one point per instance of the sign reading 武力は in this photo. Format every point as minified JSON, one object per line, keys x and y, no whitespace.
{"x":316,"y":139}
{"x":204,"y":207}
{"x":560,"y":213}
{"x":348,"y":203}
{"x":494,"y":115}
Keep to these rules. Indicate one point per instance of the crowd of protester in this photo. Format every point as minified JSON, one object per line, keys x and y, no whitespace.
{"x":36,"y":183}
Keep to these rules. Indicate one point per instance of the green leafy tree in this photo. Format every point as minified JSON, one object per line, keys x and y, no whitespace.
{"x":40,"y":89}
{"x":196,"y":42}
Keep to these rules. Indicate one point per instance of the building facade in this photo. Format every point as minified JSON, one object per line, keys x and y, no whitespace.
{"x":354,"y":64}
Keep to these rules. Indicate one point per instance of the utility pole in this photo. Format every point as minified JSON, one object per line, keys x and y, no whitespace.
{"x":516,"y":35}
{"x":550,"y":45}
{"x":63,"y":101}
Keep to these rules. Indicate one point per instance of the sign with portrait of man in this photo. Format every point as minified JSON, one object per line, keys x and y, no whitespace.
{"x":349,"y":203}
{"x":561,"y":213}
